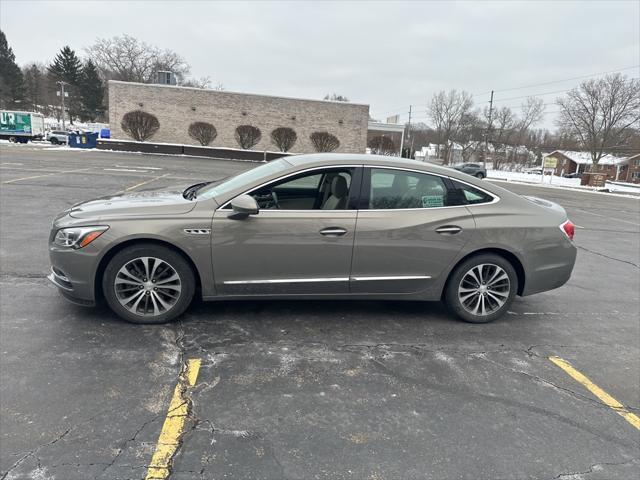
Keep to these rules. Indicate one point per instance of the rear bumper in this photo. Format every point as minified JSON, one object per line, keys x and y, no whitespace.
{"x":548,"y":276}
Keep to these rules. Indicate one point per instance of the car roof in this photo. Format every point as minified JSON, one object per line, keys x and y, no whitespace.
{"x":320,"y":159}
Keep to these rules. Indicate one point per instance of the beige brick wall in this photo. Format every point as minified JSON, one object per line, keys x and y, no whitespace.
{"x":226,"y":110}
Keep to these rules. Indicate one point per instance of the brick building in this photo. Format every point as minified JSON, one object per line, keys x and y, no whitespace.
{"x":615,"y":168}
{"x":177,"y":107}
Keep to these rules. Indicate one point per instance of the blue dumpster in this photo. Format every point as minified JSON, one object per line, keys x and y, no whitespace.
{"x":105,"y":133}
{"x":83,"y":140}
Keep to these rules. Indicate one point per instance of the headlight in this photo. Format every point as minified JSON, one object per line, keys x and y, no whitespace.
{"x":78,"y":237}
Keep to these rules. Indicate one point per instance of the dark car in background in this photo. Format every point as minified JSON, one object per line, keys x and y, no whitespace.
{"x":473,"y":169}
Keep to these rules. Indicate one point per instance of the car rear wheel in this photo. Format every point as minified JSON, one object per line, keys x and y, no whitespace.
{"x":481,"y":289}
{"x":54,"y":141}
{"x":148,"y":284}
{"x":480,"y":175}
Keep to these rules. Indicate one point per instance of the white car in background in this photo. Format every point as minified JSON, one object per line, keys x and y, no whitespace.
{"x":58,"y":137}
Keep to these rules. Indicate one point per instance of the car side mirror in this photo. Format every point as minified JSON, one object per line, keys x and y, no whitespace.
{"x":243,"y":206}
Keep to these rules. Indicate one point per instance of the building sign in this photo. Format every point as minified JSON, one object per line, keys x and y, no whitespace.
{"x":393,"y":119}
{"x":550,"y":162}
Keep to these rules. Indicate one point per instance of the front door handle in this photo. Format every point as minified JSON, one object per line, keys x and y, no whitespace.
{"x":449,"y":230}
{"x":333,"y":231}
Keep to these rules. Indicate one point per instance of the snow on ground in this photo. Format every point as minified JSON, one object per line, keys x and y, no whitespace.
{"x":552,"y":181}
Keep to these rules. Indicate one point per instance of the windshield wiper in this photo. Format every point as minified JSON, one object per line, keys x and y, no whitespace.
{"x":190,"y":192}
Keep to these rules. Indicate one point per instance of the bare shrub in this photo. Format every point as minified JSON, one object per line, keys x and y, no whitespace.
{"x":382,"y":145}
{"x":284,"y":138}
{"x":247,"y":136}
{"x":140,"y":125}
{"x":203,"y":132}
{"x":324,"y":141}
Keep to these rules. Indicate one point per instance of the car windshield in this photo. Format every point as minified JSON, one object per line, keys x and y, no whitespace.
{"x":243,"y":178}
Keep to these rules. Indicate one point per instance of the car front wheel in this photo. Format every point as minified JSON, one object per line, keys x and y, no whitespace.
{"x":148,"y":284}
{"x":480,"y":175}
{"x":54,"y":141}
{"x":482,"y":288}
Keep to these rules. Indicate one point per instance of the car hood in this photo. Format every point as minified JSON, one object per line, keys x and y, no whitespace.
{"x":165,"y":201}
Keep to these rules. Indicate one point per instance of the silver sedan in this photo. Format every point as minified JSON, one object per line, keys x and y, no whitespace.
{"x":324,"y":226}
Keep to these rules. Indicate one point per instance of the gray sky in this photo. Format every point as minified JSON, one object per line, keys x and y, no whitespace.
{"x":386,"y":54}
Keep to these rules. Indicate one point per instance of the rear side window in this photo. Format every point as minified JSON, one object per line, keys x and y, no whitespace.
{"x":463,"y":194}
{"x":400,"y":189}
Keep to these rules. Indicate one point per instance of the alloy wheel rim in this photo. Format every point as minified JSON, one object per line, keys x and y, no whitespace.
{"x":147,"y":286}
{"x":484,"y":289}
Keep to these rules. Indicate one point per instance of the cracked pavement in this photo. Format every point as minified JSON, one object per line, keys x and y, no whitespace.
{"x":313,"y":390}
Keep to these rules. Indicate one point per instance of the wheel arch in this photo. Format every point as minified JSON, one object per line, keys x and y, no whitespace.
{"x":506,"y":254}
{"x":106,"y":258}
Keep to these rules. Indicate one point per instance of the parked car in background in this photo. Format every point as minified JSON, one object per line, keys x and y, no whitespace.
{"x":287,"y":229}
{"x":58,"y":137}
{"x":572,"y":175}
{"x":473,"y":169}
{"x":533,"y":171}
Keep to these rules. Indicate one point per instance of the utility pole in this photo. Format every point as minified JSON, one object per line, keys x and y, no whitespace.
{"x":408,"y":134}
{"x":62,"y":84}
{"x":486,"y":137}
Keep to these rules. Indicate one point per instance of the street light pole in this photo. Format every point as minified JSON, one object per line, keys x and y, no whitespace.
{"x":486,"y":137}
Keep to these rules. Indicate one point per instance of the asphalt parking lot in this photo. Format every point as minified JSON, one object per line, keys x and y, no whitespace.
{"x":311,"y":390}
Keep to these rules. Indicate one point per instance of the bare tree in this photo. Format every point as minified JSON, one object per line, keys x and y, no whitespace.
{"x":601,"y":114}
{"x":469,"y":134}
{"x":202,"y":82}
{"x":247,"y":136}
{"x":334,"y":97}
{"x":140,"y":125}
{"x":203,"y":132}
{"x":446,"y":110}
{"x":132,"y":60}
{"x":324,"y":141}
{"x":284,"y":138}
{"x":382,"y":145}
{"x":501,"y":131}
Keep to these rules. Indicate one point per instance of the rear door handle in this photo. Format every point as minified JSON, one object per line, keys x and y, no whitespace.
{"x":333,"y":231}
{"x":449,"y":230}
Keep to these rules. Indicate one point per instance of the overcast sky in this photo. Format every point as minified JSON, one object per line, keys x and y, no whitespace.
{"x":385,"y":54}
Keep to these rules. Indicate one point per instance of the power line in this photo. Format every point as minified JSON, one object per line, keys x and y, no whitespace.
{"x":558,"y":81}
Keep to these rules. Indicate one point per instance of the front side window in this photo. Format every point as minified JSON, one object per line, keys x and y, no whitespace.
{"x":317,"y":190}
{"x":399,"y":189}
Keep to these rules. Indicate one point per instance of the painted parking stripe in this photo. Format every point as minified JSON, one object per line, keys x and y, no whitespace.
{"x":138,"y":166}
{"x":173,"y":427}
{"x":125,"y":170}
{"x":47,"y":175}
{"x":603,"y":396}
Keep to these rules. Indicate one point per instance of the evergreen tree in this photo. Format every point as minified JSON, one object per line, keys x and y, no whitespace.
{"x":67,"y":67}
{"x":11,"y":82}
{"x":91,"y":91}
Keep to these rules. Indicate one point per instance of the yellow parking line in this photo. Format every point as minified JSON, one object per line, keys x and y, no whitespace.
{"x":598,"y":392}
{"x":173,"y":427}
{"x":48,"y":175}
{"x":145,"y":182}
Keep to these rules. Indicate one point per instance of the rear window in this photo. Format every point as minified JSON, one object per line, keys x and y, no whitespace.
{"x":464,"y":194}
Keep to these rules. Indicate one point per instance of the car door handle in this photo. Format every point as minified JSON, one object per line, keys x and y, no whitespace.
{"x":449,"y":230}
{"x":333,"y":231}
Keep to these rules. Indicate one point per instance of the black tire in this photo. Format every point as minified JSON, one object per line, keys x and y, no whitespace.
{"x":455,"y":304}
{"x":174,"y":259}
{"x":13,"y":139}
{"x":480,"y":175}
{"x":54,"y":141}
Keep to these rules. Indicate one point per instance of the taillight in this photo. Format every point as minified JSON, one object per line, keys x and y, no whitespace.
{"x":568,"y":228}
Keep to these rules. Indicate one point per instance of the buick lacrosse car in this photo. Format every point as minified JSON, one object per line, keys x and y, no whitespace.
{"x":322,"y":226}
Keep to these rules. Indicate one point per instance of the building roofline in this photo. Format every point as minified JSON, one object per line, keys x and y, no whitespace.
{"x":237,"y":93}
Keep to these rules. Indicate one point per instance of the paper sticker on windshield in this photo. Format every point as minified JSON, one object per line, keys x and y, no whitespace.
{"x":430,"y":201}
